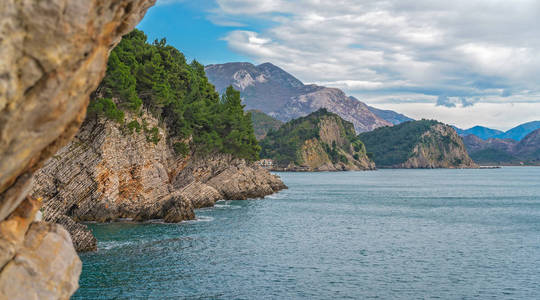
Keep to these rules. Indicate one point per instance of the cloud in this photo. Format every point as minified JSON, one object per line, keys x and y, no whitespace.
{"x":445,"y":101}
{"x":468,"y":51}
{"x":468,"y":101}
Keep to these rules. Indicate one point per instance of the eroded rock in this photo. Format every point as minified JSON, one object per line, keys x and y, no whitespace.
{"x":107,"y":174}
{"x":53,"y":54}
{"x":47,"y":267}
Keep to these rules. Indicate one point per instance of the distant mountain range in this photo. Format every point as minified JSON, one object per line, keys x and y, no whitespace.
{"x":497,"y":151}
{"x":517,"y":133}
{"x":277,"y":93}
{"x":390,"y":115}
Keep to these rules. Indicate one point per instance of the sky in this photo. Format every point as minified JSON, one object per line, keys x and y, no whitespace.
{"x":465,"y":63}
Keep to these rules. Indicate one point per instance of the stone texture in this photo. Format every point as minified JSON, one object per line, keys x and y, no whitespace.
{"x":47,"y":267}
{"x":53,"y":54}
{"x":241,"y":181}
{"x":107,"y":173}
{"x":200,"y":194}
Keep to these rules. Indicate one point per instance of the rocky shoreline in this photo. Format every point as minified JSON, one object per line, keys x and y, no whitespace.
{"x":106,"y":174}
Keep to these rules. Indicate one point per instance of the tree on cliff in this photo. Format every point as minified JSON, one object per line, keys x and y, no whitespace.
{"x":157,"y":77}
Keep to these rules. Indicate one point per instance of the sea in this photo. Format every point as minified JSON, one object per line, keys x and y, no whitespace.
{"x":385,"y":234}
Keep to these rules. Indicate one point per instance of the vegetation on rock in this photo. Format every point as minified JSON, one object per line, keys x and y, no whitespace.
{"x":393,"y":145}
{"x":416,"y":144}
{"x":321,"y":138}
{"x":157,"y":77}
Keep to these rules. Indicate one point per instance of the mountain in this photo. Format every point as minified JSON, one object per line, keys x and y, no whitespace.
{"x":262,"y":123}
{"x":479,"y":131}
{"x":277,"y":93}
{"x":321,"y":141}
{"x":496,"y":151}
{"x":417,"y":144}
{"x":390,"y":115}
{"x":519,"y":132}
{"x":491,"y":151}
{"x":528,"y":148}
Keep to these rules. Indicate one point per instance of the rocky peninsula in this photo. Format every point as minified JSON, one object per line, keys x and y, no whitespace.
{"x":106,"y":174}
{"x":320,"y":141}
{"x":417,"y":144}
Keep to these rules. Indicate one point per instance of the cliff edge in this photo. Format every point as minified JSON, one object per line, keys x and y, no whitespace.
{"x":53,"y":54}
{"x":108,"y":173}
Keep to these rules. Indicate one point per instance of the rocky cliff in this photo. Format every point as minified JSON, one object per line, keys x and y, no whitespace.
{"x":53,"y":54}
{"x":417,"y":144}
{"x":109,"y":172}
{"x":277,"y":93}
{"x":321,"y":141}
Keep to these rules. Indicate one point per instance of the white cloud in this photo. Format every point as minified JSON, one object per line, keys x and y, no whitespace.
{"x":470,"y":52}
{"x":502,"y":116}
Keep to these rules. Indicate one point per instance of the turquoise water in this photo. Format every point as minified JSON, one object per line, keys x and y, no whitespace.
{"x":387,"y":234}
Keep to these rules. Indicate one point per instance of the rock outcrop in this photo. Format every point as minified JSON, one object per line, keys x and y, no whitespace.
{"x":321,"y":141}
{"x":53,"y":54}
{"x":440,"y":147}
{"x":277,"y":93}
{"x":108,"y":173}
{"x":417,"y":144}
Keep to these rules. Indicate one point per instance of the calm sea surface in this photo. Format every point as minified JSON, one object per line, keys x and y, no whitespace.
{"x":387,"y":234}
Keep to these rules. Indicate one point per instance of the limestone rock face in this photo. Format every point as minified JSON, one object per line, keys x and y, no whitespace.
{"x":200,"y":194}
{"x":53,"y":54}
{"x":321,"y":141}
{"x":46,"y":267}
{"x":104,"y":174}
{"x":417,"y":144}
{"x":108,"y":173}
{"x":240,"y":181}
{"x":436,"y":152}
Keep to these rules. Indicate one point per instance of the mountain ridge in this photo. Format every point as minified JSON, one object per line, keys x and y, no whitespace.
{"x":516,"y":133}
{"x":497,"y":151}
{"x":279,"y":94}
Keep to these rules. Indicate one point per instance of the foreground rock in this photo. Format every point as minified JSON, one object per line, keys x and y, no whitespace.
{"x":53,"y":54}
{"x":417,"y":144}
{"x":108,"y":174}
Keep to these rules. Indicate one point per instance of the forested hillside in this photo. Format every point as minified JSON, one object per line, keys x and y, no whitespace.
{"x":262,"y":123}
{"x":157,"y":77}
{"x":320,"y":141}
{"x":416,"y":144}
